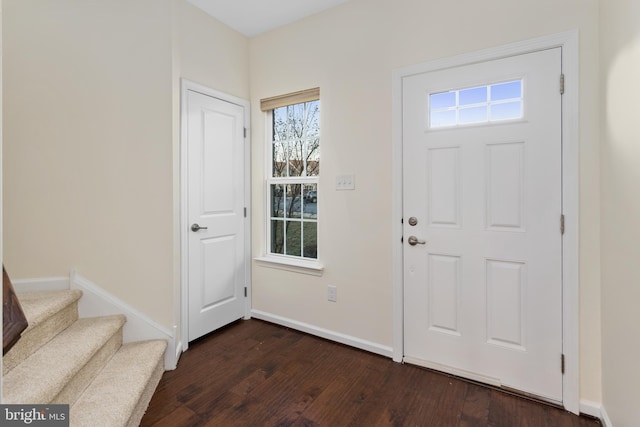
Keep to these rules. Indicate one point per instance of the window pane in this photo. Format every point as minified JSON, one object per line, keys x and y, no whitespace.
{"x":294,"y":238}
{"x":506,"y":111}
{"x":507,"y":90}
{"x":296,"y":157}
{"x":277,"y":201}
{"x":296,"y":120}
{"x":280,"y":124}
{"x":475,"y":95}
{"x":311,"y":150}
{"x":310,"y":201}
{"x":279,"y":166}
{"x":310,"y":243}
{"x":473,"y":115}
{"x":312,"y":119}
{"x":277,"y":237}
{"x":286,"y":201}
{"x":442,"y":100}
{"x":294,"y":201}
{"x":313,"y":157}
{"x":443,"y":118}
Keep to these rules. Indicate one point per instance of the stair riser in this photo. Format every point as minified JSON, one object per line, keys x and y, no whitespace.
{"x":34,"y":339}
{"x":74,"y":388}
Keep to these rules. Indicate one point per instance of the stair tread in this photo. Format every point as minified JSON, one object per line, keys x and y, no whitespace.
{"x":40,"y":377}
{"x":39,"y":306}
{"x":114,"y":393}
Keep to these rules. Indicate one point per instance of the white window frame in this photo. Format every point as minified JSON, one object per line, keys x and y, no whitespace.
{"x":281,"y":261}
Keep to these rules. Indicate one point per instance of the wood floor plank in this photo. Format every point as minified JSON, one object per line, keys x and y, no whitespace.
{"x":334,"y":396}
{"x":476,"y":406}
{"x":423,"y":398}
{"x":288,"y":398}
{"x":181,"y":416}
{"x":254,"y":373}
{"x":450,"y":405}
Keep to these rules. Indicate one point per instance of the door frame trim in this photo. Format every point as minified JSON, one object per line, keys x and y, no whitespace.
{"x":185,"y":86}
{"x":569,"y":43}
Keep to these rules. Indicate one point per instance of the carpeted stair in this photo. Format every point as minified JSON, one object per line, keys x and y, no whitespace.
{"x":82,"y":362}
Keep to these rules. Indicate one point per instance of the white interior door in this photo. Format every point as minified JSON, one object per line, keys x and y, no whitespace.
{"x":482,"y":179}
{"x":216,"y":185}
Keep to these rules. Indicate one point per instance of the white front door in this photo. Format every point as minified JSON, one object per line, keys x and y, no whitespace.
{"x":482,"y":181}
{"x":216,"y":213}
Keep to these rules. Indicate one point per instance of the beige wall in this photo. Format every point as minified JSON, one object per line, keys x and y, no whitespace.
{"x":208,"y":52}
{"x":87,"y":145}
{"x":350,"y":52}
{"x":620,"y":50}
{"x":91,"y":152}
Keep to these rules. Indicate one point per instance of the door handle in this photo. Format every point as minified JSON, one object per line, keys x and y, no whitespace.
{"x":196,"y":227}
{"x":413,"y":240}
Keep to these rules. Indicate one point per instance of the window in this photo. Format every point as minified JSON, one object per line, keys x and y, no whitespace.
{"x":293,"y":174}
{"x":482,"y":104}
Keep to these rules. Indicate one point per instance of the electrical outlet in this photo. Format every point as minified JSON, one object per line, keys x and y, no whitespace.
{"x":332,"y":293}
{"x":345,"y":182}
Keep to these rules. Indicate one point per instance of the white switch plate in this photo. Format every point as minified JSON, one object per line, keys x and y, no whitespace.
{"x":332,"y":293}
{"x":345,"y":182}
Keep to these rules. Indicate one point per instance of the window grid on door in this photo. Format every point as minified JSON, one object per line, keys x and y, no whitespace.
{"x":476,"y":105}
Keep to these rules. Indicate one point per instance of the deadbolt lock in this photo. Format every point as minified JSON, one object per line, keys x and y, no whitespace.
{"x":413,"y":221}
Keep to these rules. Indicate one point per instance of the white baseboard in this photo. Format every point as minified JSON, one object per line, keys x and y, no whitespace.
{"x":178,"y":352}
{"x":595,"y":409}
{"x":606,"y":421}
{"x":96,"y":301}
{"x":324,"y":333}
{"x":40,"y":284}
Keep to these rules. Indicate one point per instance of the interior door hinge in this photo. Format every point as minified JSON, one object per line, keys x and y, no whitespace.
{"x":245,"y":132}
{"x":562,"y":224}
{"x":562,"y":363}
{"x":561,"y":84}
{"x":245,"y":291}
{"x":245,"y":212}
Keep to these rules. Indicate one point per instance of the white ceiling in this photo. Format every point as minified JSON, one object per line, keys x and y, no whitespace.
{"x":252,"y":17}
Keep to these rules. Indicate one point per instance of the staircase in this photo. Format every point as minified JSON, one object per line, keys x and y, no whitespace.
{"x":81,"y":362}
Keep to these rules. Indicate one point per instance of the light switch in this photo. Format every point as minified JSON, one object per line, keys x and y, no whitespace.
{"x":345,"y":182}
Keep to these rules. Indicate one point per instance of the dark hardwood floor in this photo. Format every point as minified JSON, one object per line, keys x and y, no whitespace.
{"x":253,"y":373}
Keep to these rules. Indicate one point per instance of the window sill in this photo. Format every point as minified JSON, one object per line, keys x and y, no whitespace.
{"x":313,"y":268}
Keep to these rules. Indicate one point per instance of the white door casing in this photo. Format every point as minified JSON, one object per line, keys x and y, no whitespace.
{"x":215,"y":197}
{"x":483,"y":296}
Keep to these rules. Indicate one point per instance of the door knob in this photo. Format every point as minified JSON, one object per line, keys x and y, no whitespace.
{"x":413,"y":240}
{"x":196,"y":227}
